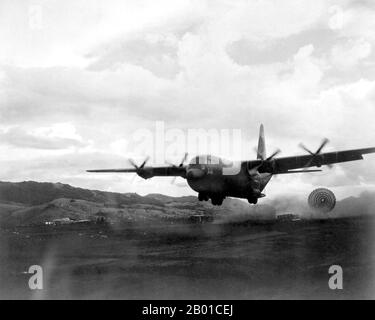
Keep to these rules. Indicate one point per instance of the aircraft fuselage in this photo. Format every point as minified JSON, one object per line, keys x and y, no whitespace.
{"x":215,"y":178}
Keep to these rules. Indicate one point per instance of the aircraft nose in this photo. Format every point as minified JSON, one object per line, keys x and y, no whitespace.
{"x":195,"y":173}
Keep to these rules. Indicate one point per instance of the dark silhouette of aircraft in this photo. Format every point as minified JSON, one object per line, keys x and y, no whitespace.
{"x":215,"y":178}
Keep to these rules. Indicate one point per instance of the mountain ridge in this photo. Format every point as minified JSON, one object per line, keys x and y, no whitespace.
{"x":31,"y":202}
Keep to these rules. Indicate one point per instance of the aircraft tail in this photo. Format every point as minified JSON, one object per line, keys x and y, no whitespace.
{"x":262,"y":144}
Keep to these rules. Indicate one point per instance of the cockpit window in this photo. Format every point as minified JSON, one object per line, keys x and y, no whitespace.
{"x":210,"y":160}
{"x":227,"y":163}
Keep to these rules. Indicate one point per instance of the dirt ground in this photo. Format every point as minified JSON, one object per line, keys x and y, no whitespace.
{"x":280,"y":260}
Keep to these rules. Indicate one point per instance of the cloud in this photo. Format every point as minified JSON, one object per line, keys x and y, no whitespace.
{"x":53,"y":138}
{"x":279,"y":50}
{"x":154,"y":49}
{"x":348,"y":54}
{"x":154,"y":53}
{"x":354,"y":20}
{"x":67,"y":93}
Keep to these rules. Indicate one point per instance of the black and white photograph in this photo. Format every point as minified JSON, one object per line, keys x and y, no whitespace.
{"x":187,"y":150}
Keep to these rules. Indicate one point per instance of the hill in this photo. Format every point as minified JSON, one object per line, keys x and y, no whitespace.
{"x":29,"y":202}
{"x":35,"y":193}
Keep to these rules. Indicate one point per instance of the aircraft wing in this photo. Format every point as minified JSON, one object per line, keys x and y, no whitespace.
{"x":285,"y":164}
{"x":149,"y":172}
{"x":113,"y":170}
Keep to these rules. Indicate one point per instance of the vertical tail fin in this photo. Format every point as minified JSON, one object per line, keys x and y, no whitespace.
{"x":262,"y":144}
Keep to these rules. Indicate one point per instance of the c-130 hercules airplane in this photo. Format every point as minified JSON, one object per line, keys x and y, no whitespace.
{"x":215,"y":178}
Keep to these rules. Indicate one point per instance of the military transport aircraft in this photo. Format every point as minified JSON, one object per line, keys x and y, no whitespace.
{"x":215,"y":178}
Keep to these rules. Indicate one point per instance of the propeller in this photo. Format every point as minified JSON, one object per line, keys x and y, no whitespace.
{"x":254,"y":171}
{"x":270,"y":157}
{"x":278,"y":151}
{"x":132,"y":162}
{"x":316,"y":154}
{"x":138,"y":168}
{"x":182,"y":162}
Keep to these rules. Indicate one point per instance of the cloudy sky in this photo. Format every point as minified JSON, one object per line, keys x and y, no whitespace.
{"x":78,"y":79}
